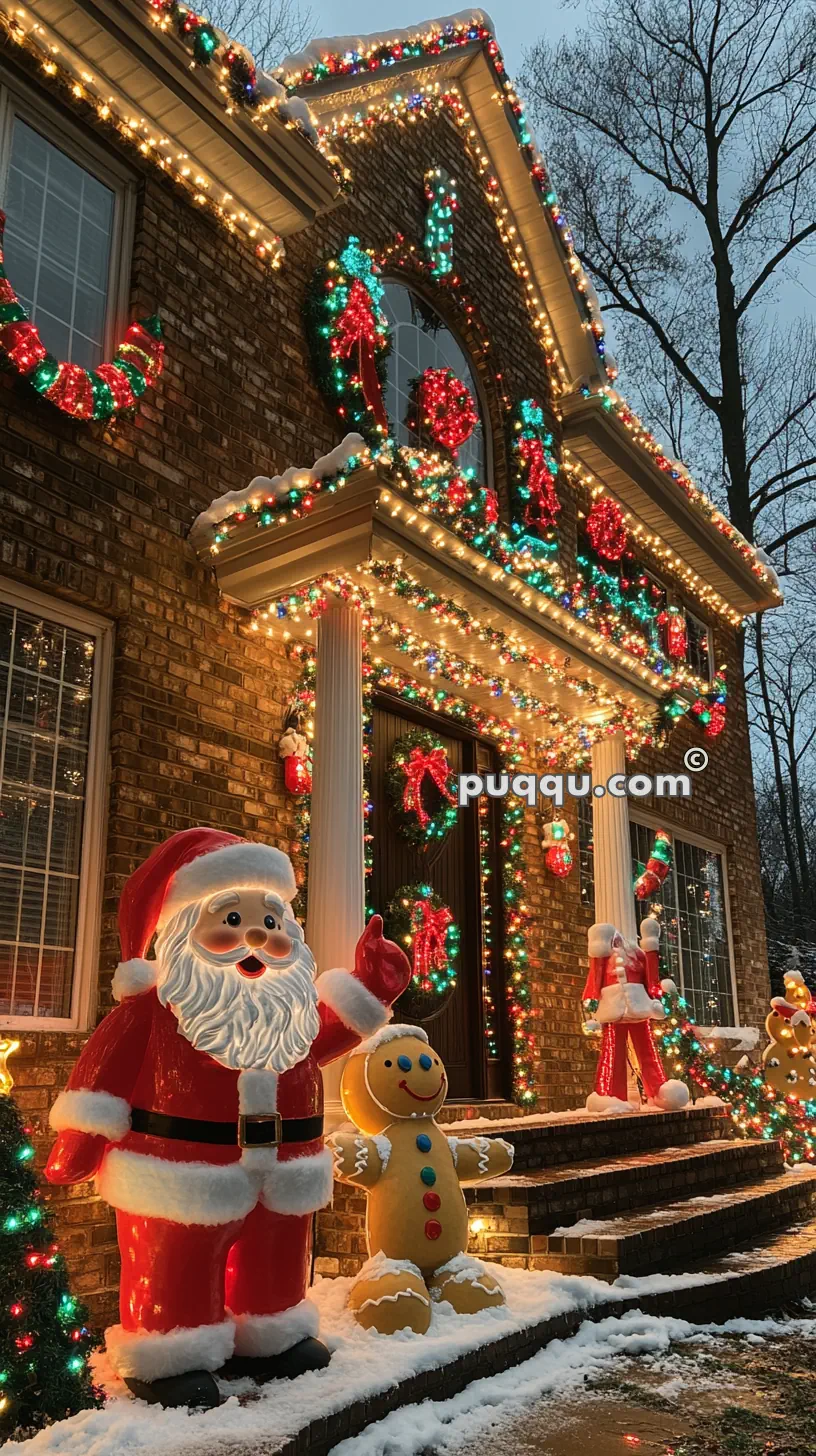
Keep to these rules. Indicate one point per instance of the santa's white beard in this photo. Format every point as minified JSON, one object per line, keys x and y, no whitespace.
{"x":267,"y":1023}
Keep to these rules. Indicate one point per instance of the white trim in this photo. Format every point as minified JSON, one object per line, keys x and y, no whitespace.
{"x":100,"y":1113}
{"x":300,"y":1185}
{"x":357,"y":1007}
{"x":185,"y":1193}
{"x":271,"y":1334}
{"x":17,"y":98}
{"x":245,"y":865}
{"x":94,"y":823}
{"x":599,"y":939}
{"x":154,"y":1354}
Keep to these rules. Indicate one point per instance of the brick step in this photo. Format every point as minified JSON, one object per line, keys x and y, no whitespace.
{"x":478,"y":1111}
{"x":678,"y":1235}
{"x":540,"y":1143}
{"x":555,"y":1196}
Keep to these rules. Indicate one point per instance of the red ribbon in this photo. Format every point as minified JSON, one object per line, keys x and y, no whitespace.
{"x":543,"y":504}
{"x":357,"y":329}
{"x":418,"y":765}
{"x":430,"y":952}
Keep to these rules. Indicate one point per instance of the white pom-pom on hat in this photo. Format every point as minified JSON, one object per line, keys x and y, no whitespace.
{"x":650,"y":933}
{"x":133,"y":977}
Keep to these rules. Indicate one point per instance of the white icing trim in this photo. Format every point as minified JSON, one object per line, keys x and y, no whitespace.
{"x":242,"y":866}
{"x":99,"y":1113}
{"x":300,"y":1185}
{"x":357,"y":1007}
{"x":479,"y":1145}
{"x":185,"y":1193}
{"x":133,"y":977}
{"x":383,"y":1146}
{"x":271,"y":1334}
{"x":392,"y":1298}
{"x":151,"y":1355}
{"x":379,"y":1265}
{"x":385,"y":1034}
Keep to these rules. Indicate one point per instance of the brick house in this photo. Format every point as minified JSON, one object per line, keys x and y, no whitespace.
{"x":549,"y":592}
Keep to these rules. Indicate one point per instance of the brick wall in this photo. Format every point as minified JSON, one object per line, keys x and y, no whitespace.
{"x":99,"y":517}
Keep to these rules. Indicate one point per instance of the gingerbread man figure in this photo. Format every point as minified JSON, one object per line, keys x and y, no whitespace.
{"x":417,"y":1223}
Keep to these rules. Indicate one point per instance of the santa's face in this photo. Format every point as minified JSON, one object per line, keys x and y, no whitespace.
{"x":239,"y":979}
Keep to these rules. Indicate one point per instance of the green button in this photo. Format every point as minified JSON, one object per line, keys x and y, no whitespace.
{"x":428,"y":1176}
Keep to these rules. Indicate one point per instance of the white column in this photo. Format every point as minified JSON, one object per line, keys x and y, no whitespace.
{"x":336,"y":899}
{"x":614,"y":897}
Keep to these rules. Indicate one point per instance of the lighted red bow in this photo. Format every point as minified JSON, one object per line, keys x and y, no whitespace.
{"x":543,"y":505}
{"x":357,"y":329}
{"x":419,"y":764}
{"x":430,"y":937}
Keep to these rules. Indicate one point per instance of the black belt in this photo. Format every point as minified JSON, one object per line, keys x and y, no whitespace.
{"x":267,"y":1130}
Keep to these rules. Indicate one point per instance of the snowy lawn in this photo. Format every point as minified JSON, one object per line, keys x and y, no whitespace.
{"x":363,"y":1364}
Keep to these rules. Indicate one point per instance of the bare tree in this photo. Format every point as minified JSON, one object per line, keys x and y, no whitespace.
{"x":270,"y":29}
{"x":682,"y":138}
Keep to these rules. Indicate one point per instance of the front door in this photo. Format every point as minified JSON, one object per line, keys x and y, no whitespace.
{"x":462,"y":874}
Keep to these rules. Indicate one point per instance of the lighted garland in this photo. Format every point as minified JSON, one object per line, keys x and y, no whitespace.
{"x":417,"y":769}
{"x":535,"y":499}
{"x":440,"y":195}
{"x":349,"y":339}
{"x":84,"y":394}
{"x":419,"y":920}
{"x":443,"y":408}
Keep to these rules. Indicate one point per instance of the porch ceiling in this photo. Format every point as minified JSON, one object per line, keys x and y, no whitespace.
{"x":370,"y":520}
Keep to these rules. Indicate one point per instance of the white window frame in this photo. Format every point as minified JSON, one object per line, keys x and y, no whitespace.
{"x":94,"y":822}
{"x":17,"y":99}
{"x":714,"y":846}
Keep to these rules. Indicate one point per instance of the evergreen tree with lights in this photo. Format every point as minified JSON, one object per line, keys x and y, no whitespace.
{"x":44,"y":1340}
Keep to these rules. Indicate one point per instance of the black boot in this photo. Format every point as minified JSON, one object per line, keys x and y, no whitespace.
{"x":308,"y":1354}
{"x":196,"y":1388}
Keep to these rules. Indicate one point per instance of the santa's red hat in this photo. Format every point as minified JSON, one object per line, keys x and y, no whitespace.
{"x":189,"y":866}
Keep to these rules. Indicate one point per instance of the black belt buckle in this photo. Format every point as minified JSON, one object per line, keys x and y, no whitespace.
{"x":244,"y":1120}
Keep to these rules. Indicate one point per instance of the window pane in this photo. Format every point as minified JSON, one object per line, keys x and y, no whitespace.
{"x":42,"y":800}
{"x":58,"y":244}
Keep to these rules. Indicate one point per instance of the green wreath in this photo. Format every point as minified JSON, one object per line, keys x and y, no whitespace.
{"x":419,"y":920}
{"x":418,"y":771}
{"x":349,"y":339}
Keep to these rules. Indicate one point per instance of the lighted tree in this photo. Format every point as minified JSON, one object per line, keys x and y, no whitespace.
{"x":44,"y":1339}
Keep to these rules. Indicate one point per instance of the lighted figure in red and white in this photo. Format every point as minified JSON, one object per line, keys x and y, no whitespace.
{"x":197,"y":1103}
{"x":622,"y":997}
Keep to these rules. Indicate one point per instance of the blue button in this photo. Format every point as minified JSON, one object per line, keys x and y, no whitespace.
{"x":425,"y":1062}
{"x":405,"y":1063}
{"x":428,"y":1176}
{"x":423,"y":1142}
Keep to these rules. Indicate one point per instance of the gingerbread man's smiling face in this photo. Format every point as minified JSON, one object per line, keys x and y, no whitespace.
{"x":402,"y":1078}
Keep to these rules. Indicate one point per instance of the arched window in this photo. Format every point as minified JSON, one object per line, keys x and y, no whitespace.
{"x":422,"y":340}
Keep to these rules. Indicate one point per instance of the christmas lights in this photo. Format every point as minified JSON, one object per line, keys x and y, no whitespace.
{"x":557,"y":853}
{"x":350,"y":339}
{"x":418,"y":763}
{"x":656,"y":868}
{"x":440,"y":194}
{"x":418,"y":919}
{"x":673,"y":622}
{"x":535,"y":500}
{"x":443,"y":408}
{"x":606,"y":530}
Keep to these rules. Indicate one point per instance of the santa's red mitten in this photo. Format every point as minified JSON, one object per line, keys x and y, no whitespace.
{"x":379,"y":964}
{"x":75,"y":1157}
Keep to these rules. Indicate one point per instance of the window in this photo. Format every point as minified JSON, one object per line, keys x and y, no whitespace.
{"x":695,"y":944}
{"x":421,"y":340}
{"x":699,"y":647}
{"x":67,"y":213}
{"x":54,"y":671}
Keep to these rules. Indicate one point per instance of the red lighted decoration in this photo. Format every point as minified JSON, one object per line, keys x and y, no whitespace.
{"x":445,"y":408}
{"x":430,"y":928}
{"x":84,"y":394}
{"x":557,"y":853}
{"x":673,"y":622}
{"x":606,"y":530}
{"x":293,"y":748}
{"x":356,"y":340}
{"x":657,"y":866}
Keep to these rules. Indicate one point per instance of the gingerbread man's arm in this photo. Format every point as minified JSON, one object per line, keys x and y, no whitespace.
{"x":479,"y":1158}
{"x":359,"y":1160}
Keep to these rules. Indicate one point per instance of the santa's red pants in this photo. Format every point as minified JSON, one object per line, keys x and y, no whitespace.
{"x":610,"y":1078}
{"x":184,"y":1276}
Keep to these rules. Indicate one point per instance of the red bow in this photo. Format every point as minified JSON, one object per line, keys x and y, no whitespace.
{"x":543,"y":505}
{"x":357,"y":329}
{"x":430,"y":952}
{"x":419,"y":764}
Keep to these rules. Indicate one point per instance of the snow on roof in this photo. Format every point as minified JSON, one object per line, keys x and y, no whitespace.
{"x":390,"y":1032}
{"x":334,"y":45}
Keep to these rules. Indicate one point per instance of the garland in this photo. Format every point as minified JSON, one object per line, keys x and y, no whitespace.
{"x":534,"y":468}
{"x":415,"y":758}
{"x":84,"y":394}
{"x":440,"y":195}
{"x":418,"y":919}
{"x":349,"y":339}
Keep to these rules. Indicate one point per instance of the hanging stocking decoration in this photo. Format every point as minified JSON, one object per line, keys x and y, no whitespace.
{"x":557,"y":853}
{"x":657,"y":866}
{"x":293,"y":748}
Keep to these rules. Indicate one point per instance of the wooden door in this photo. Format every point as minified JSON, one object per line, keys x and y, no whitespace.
{"x":451,"y":868}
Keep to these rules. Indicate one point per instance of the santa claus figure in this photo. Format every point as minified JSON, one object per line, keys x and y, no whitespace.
{"x":622,"y":996}
{"x":197,"y":1104}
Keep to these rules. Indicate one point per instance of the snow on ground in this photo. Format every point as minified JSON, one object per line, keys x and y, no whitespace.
{"x":363,"y":1364}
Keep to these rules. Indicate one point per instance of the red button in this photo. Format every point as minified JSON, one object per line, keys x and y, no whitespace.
{"x":431,"y":1201}
{"x":433,"y":1228}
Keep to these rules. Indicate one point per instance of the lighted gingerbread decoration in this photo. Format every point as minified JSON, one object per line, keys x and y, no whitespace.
{"x":789,"y":1059}
{"x":417,"y":1224}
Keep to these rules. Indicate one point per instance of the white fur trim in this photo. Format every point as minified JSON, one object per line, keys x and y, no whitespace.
{"x":186,"y":1193}
{"x":600,"y":939}
{"x":795,"y":976}
{"x":650,"y":933}
{"x":93,"y":1112}
{"x":349,"y":999}
{"x":668,"y":986}
{"x":240,"y":866}
{"x":257,"y":1091}
{"x":300,"y":1185}
{"x":151,"y":1355}
{"x":673,"y":1096}
{"x":597,"y":1103}
{"x":800,"y":1018}
{"x":627,"y":1001}
{"x":271,"y":1334}
{"x":133,"y":977}
{"x":385,"y":1034}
